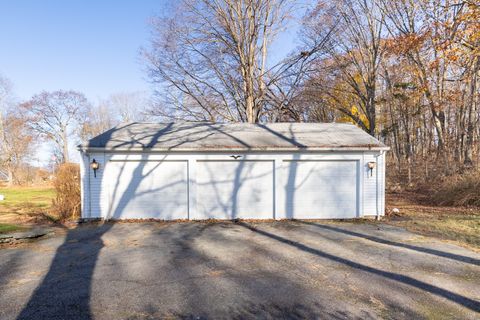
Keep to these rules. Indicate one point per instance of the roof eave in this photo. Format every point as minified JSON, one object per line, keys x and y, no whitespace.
{"x":86,"y":149}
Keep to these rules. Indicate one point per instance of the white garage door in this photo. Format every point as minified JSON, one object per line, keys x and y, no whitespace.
{"x":234,"y":189}
{"x":320,"y":189}
{"x":147,"y":189}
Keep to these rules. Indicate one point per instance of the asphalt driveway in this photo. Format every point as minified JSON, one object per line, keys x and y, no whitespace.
{"x":238,"y":270}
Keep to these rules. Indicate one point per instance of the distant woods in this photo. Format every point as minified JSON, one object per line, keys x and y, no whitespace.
{"x":404,"y":71}
{"x":55,"y":122}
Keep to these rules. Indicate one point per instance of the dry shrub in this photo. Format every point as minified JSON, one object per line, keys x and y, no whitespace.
{"x":459,"y":190}
{"x":66,"y":205}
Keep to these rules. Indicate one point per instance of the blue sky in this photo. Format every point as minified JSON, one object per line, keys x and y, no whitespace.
{"x":85,"y":45}
{"x":89,"y":46}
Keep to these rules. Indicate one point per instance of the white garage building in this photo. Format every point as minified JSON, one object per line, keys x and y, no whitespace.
{"x":233,"y":171}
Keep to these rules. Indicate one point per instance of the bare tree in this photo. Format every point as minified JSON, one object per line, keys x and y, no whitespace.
{"x":55,"y":116}
{"x":118,"y":107}
{"x":5,"y":99}
{"x":209,"y":59}
{"x":349,"y":66}
{"x":17,"y":144}
{"x":97,"y":121}
{"x":16,"y":139}
{"x":128,"y":106}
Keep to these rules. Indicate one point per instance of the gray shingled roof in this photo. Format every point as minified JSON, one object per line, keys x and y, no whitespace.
{"x":204,"y":136}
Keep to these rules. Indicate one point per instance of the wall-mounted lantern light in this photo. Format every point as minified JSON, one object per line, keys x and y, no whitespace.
{"x":371,"y":166}
{"x":94,"y":165}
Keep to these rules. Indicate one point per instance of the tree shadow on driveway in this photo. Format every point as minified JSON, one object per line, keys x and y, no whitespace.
{"x":65,"y":291}
{"x":225,"y":287}
{"x":454,"y":297}
{"x":435,"y":252}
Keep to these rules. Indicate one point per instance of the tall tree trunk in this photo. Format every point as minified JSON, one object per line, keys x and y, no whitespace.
{"x":468,"y":156}
{"x":371,"y":111}
{"x":65,"y":145}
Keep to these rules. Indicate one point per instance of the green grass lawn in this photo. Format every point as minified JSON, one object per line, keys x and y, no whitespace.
{"x":17,"y":196}
{"x":22,"y":201}
{"x":5,"y":228}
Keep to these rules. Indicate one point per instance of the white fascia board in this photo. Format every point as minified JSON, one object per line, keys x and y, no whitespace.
{"x":224,"y":150}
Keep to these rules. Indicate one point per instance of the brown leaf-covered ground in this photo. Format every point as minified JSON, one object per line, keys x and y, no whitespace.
{"x":458,"y":224}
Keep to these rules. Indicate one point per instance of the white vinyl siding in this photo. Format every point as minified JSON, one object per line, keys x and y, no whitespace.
{"x":371,"y":185}
{"x":98,"y":189}
{"x":381,"y":184}
{"x":84,"y":184}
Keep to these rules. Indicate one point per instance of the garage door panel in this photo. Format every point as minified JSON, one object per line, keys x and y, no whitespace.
{"x":320,"y":189}
{"x":148,"y":190}
{"x":235,"y":189}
